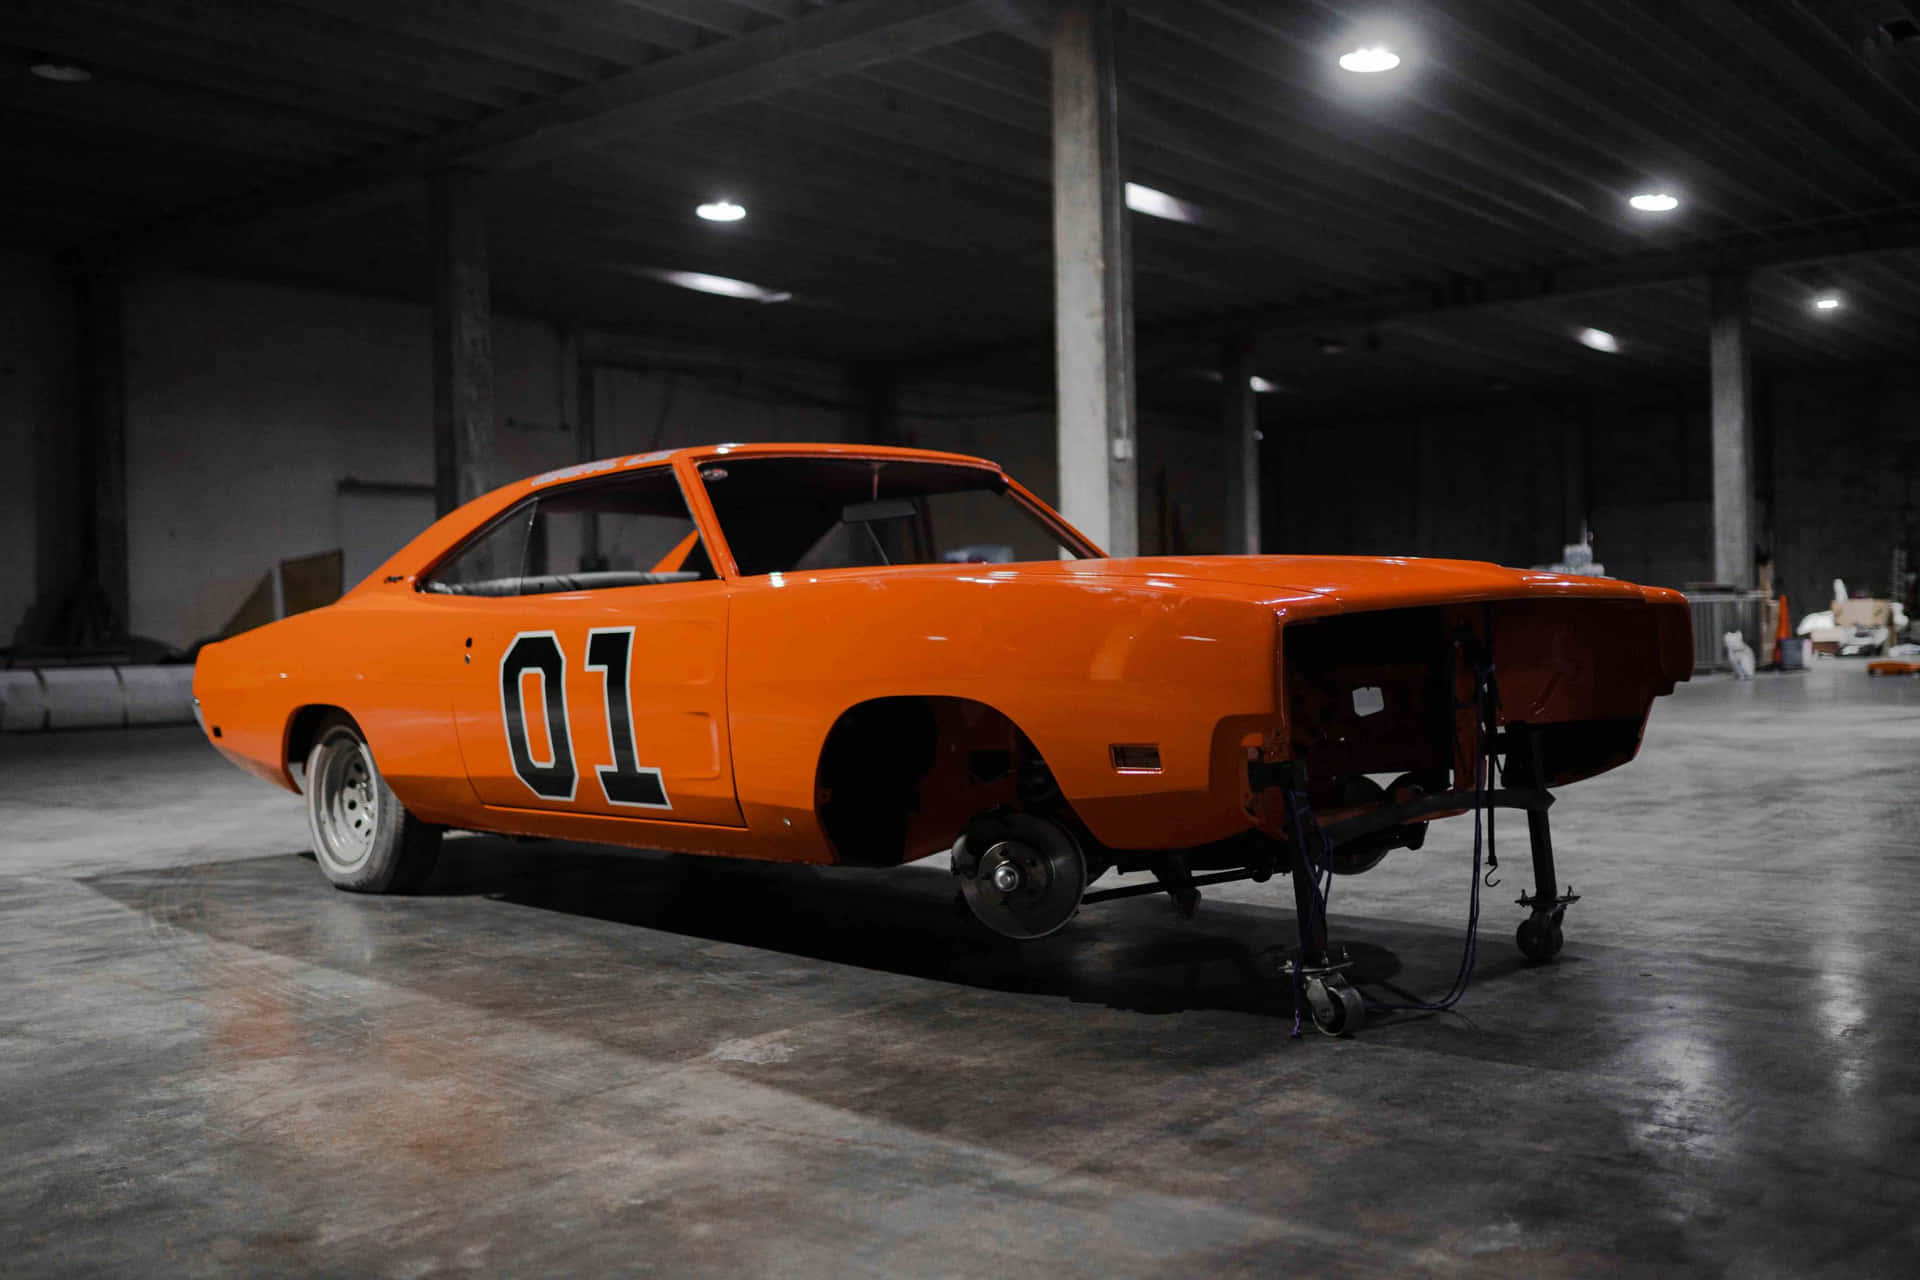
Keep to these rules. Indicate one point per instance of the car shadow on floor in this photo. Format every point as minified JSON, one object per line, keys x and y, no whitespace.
{"x":497,"y":907}
{"x":1136,"y":954}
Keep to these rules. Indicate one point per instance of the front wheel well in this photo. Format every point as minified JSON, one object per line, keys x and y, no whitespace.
{"x":899,"y":777}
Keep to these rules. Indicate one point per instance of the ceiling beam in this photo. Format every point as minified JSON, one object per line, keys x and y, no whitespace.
{"x":1893,"y":231}
{"x":825,"y":43}
{"x":828,"y":42}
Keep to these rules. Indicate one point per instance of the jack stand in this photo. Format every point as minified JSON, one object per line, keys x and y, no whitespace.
{"x":1539,"y":936}
{"x":1176,"y":877}
{"x":1318,"y":972}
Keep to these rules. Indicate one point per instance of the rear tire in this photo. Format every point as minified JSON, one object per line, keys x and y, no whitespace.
{"x":363,"y":837}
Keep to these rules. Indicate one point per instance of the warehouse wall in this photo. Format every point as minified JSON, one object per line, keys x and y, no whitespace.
{"x":1650,"y":489}
{"x":1838,"y":456}
{"x":248,"y":404}
{"x":1846,"y":475}
{"x":1182,"y":487}
{"x":1490,"y":485}
{"x":647,"y":399}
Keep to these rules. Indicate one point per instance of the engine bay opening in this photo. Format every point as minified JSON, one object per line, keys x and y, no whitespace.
{"x":1370,"y":694}
{"x":1373,"y":696}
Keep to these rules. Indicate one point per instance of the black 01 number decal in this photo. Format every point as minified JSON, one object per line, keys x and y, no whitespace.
{"x":625,"y":782}
{"x":554,"y":777}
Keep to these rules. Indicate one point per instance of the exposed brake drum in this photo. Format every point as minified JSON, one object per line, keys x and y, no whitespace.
{"x":1022,"y":876}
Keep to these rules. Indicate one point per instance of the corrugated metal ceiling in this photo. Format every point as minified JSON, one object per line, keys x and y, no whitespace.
{"x":903,"y":199}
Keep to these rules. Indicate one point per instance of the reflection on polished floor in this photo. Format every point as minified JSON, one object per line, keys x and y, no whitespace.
{"x":562,"y":1058}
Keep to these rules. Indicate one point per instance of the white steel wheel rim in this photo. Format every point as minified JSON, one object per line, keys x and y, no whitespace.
{"x":347,"y":804}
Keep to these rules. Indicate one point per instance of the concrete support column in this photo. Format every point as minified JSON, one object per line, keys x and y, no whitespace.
{"x":1242,"y":421}
{"x":591,"y":449}
{"x":580,"y":409}
{"x":80,"y":474}
{"x":1573,"y":484}
{"x":1731,"y":372}
{"x":81,"y":484}
{"x":876,"y":392}
{"x":462,"y":342}
{"x":587,"y":409}
{"x":59,"y":533}
{"x":103,"y":408}
{"x":566,"y":384}
{"x":1093,"y":284}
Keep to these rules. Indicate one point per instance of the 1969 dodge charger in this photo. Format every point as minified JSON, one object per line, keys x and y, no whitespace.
{"x":864,"y":655}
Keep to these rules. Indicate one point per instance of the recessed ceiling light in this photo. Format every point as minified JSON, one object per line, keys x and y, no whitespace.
{"x":1158,"y":204}
{"x":1654,"y":202}
{"x":1599,"y":340}
{"x":1261,"y":386}
{"x":701,"y":282}
{"x":1369,"y":60}
{"x":61,"y":72}
{"x":1826,"y":302}
{"x":722,"y":211}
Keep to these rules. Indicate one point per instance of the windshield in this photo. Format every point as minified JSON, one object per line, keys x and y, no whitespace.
{"x":782,"y":515}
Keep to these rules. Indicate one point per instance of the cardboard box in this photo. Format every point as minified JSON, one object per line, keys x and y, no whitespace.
{"x":1863,"y":611}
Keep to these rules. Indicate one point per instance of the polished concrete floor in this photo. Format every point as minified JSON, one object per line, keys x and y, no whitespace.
{"x":570,"y":1060}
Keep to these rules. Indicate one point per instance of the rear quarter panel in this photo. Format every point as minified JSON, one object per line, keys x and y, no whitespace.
{"x":1076,"y":666}
{"x":381,"y":656}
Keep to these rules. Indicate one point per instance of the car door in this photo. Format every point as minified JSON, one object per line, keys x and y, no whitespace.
{"x":593,"y":639}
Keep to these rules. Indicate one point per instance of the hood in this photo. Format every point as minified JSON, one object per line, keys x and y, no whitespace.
{"x":1340,"y":582}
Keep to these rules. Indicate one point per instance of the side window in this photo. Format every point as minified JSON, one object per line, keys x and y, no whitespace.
{"x":629,"y":531}
{"x":635,"y":524}
{"x":493,"y":563}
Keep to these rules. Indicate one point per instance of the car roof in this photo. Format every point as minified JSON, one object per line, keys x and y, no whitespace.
{"x":701,"y":453}
{"x":446,"y":532}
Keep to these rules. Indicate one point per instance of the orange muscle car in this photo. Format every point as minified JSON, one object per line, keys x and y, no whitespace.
{"x":864,"y":655}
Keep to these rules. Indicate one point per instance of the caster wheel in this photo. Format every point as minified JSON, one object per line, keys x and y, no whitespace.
{"x":1539,"y":940}
{"x":1337,"y":1008}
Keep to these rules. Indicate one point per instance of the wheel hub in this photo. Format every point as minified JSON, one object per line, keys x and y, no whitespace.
{"x":1022,"y":876}
{"x":349,"y":807}
{"x":1007,"y":877}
